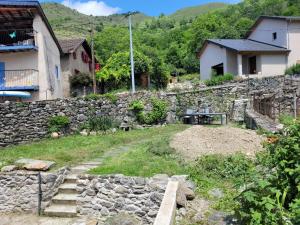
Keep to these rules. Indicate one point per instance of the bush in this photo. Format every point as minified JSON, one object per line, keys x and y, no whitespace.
{"x":293,"y":70}
{"x":218,"y":80}
{"x":160,"y":147}
{"x":58,"y":123}
{"x":155,"y":116}
{"x":100,"y":123}
{"x":81,"y":79}
{"x":273,"y":196}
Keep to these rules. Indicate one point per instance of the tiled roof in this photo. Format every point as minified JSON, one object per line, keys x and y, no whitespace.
{"x":69,"y":45}
{"x":246,"y":45}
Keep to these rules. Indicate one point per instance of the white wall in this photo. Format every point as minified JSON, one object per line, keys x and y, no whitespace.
{"x":48,"y":58}
{"x":20,"y":60}
{"x":231,"y":62}
{"x":266,"y":28}
{"x":272,"y":65}
{"x":212,"y":55}
{"x":294,"y":43}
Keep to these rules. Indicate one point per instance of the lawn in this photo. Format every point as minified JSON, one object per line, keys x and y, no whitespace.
{"x":145,"y":161}
{"x":72,"y":150}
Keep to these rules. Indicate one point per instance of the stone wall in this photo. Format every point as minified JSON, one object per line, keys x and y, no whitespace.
{"x":19,"y":190}
{"x":106,"y":196}
{"x":24,"y":122}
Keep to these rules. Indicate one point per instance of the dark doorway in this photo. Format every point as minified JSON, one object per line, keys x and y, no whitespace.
{"x":218,"y":69}
{"x":252,"y":65}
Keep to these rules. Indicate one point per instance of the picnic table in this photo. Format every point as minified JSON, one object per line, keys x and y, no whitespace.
{"x":206,"y":115}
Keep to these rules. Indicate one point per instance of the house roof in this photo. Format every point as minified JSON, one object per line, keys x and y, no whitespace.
{"x":71,"y":45}
{"x":261,"y":18}
{"x":18,"y":13}
{"x":243,"y":45}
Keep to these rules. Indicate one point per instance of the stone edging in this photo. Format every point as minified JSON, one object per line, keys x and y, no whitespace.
{"x":167,"y":211}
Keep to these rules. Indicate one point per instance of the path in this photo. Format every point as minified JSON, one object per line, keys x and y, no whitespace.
{"x":64,"y":203}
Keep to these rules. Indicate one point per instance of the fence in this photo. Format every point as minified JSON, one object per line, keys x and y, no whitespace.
{"x":19,"y":78}
{"x":17,"y":37}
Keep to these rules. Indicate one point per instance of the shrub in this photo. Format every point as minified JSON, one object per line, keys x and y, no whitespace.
{"x":100,"y":123}
{"x":218,"y":80}
{"x":273,"y":196}
{"x":293,"y":70}
{"x":81,"y":79}
{"x":160,"y":147}
{"x":58,"y":123}
{"x":156,"y":115}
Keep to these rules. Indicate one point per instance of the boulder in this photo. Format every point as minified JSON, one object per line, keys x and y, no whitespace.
{"x":181,"y":198}
{"x":9,"y":168}
{"x":189,"y":193}
{"x":34,"y":165}
{"x":55,"y":135}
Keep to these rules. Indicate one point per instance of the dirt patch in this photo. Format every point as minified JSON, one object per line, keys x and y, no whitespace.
{"x":202,"y":140}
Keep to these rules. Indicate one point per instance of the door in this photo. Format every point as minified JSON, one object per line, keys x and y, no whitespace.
{"x":2,"y":73}
{"x":252,"y":65}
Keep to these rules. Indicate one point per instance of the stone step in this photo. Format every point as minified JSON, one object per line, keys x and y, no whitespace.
{"x":67,"y":188}
{"x":82,"y":168}
{"x":71,"y":178}
{"x":91,"y":163}
{"x":61,"y":210}
{"x":62,"y":198}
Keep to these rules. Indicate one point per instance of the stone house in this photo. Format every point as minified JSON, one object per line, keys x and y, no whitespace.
{"x":269,"y":48}
{"x":76,"y":59}
{"x":29,"y":53}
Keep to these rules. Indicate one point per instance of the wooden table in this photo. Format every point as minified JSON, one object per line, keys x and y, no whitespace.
{"x":199,"y":115}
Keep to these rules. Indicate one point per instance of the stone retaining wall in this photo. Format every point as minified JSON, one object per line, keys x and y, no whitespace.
{"x":106,"y":196}
{"x":19,"y":190}
{"x":24,"y":122}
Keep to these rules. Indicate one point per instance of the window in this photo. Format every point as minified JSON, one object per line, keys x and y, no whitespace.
{"x":274,"y":36}
{"x":74,"y":55}
{"x":57,"y":72}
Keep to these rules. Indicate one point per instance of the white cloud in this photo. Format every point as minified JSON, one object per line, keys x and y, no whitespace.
{"x":91,"y":7}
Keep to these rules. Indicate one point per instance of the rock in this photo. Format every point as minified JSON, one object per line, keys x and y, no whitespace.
{"x":152,"y":213}
{"x":189,"y":194}
{"x":181,"y":198}
{"x":84,"y":133}
{"x":216,"y":193}
{"x":123,"y":219}
{"x":34,"y":165}
{"x":120,"y":189}
{"x":159,"y":181}
{"x":9,"y":168}
{"x":93,"y":133}
{"x":55,"y":135}
{"x":104,"y":211}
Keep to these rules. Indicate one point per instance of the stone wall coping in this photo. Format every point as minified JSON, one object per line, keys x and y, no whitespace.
{"x":167,"y":211}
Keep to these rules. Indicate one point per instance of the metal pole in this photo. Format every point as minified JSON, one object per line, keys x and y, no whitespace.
{"x":131,"y":57}
{"x":93,"y":58}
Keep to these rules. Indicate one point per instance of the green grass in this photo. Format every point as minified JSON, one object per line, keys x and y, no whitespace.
{"x":140,"y":162}
{"x":72,"y":150}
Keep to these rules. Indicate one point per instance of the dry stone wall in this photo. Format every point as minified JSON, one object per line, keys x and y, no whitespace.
{"x":24,"y":122}
{"x":19,"y":190}
{"x":107,"y":196}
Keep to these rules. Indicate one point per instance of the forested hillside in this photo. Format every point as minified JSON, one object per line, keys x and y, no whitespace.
{"x":166,"y":44}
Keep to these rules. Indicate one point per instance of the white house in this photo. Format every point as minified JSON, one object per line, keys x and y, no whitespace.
{"x":29,"y":52}
{"x":270,"y":47}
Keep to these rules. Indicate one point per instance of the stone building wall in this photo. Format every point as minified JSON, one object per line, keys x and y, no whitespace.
{"x":106,"y":196}
{"x":24,"y":122}
{"x":19,"y":190}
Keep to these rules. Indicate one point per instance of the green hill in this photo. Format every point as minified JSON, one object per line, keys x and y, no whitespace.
{"x":67,"y":22}
{"x":192,"y":12}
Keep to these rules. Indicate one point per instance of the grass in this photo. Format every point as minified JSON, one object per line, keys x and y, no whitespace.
{"x":72,"y":150}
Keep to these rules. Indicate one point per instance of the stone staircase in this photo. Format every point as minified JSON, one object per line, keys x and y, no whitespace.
{"x":64,"y":203}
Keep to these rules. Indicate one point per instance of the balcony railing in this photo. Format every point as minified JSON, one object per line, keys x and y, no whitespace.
{"x":19,"y":80}
{"x":16,"y":40}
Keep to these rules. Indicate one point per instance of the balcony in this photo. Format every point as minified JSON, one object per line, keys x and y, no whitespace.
{"x":19,"y":80}
{"x":17,"y":40}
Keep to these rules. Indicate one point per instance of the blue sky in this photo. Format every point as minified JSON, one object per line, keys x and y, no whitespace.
{"x":150,"y":7}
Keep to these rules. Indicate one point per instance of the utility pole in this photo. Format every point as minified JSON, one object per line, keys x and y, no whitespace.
{"x":129,"y":14}
{"x":93,"y":57}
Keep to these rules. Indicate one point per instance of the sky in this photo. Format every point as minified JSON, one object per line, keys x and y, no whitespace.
{"x":149,"y":7}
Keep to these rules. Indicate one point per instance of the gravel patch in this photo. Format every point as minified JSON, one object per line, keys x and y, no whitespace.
{"x":226,"y":140}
